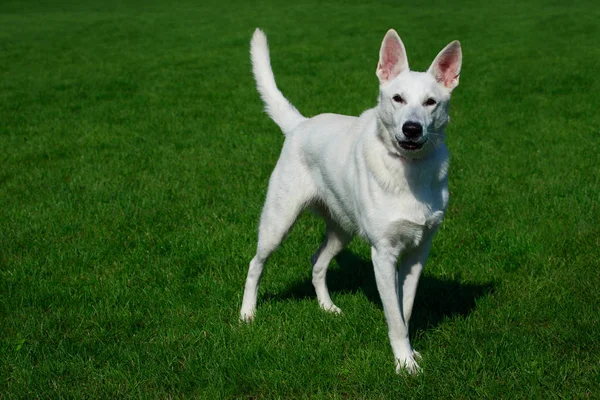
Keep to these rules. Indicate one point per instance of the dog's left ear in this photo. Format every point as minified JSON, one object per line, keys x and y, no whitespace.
{"x":446,"y":66}
{"x":392,"y":57}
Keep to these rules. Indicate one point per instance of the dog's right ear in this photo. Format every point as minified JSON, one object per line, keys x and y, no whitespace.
{"x":392,"y":57}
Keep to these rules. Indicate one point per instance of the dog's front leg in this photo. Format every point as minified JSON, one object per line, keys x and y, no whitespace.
{"x":411,"y":265}
{"x":389,"y":284}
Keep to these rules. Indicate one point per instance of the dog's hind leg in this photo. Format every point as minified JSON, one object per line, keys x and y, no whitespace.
{"x":286,"y":198}
{"x":335,"y":240}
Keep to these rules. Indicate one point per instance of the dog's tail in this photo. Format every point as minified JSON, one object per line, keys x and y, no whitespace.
{"x":278,"y":107}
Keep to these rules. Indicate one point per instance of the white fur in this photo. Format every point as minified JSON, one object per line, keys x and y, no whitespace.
{"x":356,"y":173}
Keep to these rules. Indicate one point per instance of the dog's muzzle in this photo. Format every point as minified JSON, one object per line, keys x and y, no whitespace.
{"x":413,"y":132}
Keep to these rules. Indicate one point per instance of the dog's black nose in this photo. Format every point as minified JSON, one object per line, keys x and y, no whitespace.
{"x":412,"y":130}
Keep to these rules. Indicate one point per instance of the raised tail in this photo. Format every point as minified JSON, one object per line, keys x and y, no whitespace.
{"x":278,"y":107}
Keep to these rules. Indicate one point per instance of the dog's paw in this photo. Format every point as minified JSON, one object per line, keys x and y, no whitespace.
{"x":247,"y":316}
{"x":408,"y":365}
{"x":332,"y":308}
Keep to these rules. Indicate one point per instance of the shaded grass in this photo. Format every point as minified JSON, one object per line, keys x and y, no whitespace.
{"x":134,"y":159}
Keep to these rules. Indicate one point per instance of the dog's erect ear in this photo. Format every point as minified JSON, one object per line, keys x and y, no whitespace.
{"x":446,"y":66}
{"x":392,"y":57}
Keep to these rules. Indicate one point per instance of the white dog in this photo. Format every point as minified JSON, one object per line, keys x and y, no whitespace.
{"x":383,"y":176}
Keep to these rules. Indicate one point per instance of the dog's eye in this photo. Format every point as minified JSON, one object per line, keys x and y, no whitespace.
{"x":430,"y":102}
{"x":398,"y":99}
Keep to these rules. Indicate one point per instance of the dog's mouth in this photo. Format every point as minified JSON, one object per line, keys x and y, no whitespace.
{"x":411,"y":146}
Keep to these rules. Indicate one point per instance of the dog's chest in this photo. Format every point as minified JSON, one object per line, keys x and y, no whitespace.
{"x":406,"y":218}
{"x":411,"y":220}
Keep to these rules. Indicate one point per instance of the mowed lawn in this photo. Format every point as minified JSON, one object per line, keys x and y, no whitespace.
{"x":134,"y":160}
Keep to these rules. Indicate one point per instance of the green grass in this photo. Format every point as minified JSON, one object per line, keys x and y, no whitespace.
{"x":134,"y":159}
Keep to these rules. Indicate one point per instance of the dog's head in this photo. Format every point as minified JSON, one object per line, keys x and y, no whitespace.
{"x":413,"y":106}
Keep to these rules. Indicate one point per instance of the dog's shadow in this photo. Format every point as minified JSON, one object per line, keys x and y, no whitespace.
{"x":436,"y":300}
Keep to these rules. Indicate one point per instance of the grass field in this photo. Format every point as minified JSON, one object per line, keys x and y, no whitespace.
{"x":134,"y":160}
